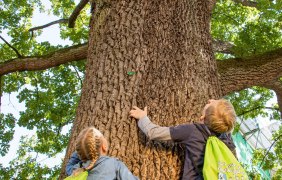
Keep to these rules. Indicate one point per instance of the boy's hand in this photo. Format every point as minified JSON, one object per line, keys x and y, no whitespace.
{"x":138,"y":113}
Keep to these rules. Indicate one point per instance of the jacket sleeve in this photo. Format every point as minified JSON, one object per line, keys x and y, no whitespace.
{"x":74,"y":159}
{"x":153,"y":131}
{"x":123,"y":172}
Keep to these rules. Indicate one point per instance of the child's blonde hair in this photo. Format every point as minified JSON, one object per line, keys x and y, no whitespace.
{"x":87,"y":147}
{"x":220,"y":118}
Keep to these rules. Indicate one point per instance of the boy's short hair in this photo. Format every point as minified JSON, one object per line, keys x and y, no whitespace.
{"x":220,"y":118}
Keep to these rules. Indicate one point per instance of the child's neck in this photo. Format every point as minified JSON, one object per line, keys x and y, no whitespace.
{"x":103,"y":153}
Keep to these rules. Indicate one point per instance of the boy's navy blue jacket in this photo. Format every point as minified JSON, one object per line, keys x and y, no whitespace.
{"x":195,"y":142}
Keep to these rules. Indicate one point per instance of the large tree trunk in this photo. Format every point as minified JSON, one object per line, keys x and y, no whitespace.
{"x":154,"y":53}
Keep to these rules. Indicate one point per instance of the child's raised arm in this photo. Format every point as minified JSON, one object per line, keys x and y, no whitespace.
{"x":138,"y":113}
{"x":151,"y":130}
{"x":71,"y":165}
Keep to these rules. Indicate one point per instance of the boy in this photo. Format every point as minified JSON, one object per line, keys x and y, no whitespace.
{"x":218,"y":116}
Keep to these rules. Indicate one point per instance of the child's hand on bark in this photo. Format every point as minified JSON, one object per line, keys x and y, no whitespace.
{"x":138,"y":113}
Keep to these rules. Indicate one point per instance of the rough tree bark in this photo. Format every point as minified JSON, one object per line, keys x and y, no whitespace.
{"x":154,"y":53}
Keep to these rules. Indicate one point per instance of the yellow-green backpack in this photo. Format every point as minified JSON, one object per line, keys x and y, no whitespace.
{"x":219,"y":162}
{"x":80,"y":176}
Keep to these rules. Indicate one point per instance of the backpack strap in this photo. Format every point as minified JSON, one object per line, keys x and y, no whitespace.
{"x":204,"y":130}
{"x":206,"y":134}
{"x":80,"y":164}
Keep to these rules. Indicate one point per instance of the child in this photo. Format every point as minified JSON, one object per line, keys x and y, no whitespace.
{"x":218,"y":116}
{"x":91,"y":155}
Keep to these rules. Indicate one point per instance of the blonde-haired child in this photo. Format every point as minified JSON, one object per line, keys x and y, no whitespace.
{"x":218,"y":118}
{"x":91,"y":155}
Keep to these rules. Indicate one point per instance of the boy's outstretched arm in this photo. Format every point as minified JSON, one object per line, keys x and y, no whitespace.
{"x":151,"y":130}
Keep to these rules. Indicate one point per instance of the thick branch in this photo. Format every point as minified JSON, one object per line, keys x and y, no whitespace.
{"x":237,"y":74}
{"x":16,"y":51}
{"x":74,"y":53}
{"x":76,"y":12}
{"x":264,"y":70}
{"x":247,"y":3}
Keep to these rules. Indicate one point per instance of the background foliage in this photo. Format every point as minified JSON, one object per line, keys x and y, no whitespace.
{"x":51,"y":96}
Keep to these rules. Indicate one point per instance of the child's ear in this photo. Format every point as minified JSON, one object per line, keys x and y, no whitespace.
{"x":202,"y":118}
{"x":104,"y":147}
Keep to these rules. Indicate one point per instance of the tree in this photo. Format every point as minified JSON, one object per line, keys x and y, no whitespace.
{"x":155,"y":53}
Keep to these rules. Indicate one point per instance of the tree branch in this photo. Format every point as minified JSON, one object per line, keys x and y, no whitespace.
{"x":261,"y":70}
{"x":255,"y":108}
{"x":76,"y":12}
{"x":49,"y":24}
{"x":16,"y":51}
{"x":78,"y":76}
{"x":74,"y":53}
{"x":71,"y":20}
{"x":270,"y":149}
{"x":247,"y":3}
{"x":241,"y":73}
